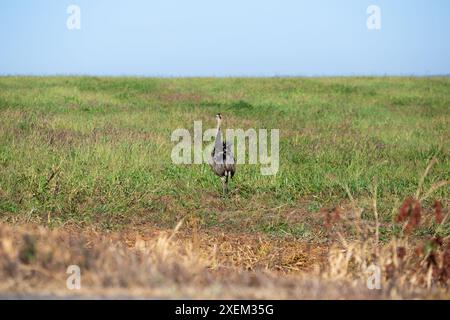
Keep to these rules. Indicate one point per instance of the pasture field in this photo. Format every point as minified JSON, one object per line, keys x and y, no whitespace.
{"x":91,"y":157}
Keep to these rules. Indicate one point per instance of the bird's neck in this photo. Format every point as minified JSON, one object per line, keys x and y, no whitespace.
{"x":218,"y":126}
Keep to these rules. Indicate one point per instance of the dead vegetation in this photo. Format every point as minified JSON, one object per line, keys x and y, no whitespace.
{"x":175,"y":264}
{"x":403,"y":261}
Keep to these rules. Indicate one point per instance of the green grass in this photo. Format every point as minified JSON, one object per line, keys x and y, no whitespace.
{"x":107,"y":140}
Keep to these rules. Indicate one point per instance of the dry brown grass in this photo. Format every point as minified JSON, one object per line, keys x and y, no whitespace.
{"x":170,"y":264}
{"x":405,"y":262}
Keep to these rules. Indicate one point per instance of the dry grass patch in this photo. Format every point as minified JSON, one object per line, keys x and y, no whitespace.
{"x":170,"y":264}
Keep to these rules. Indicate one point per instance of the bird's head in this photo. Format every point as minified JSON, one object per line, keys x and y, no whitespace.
{"x":219,"y":118}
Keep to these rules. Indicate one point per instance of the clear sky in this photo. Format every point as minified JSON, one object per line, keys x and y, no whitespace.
{"x":225,"y":38}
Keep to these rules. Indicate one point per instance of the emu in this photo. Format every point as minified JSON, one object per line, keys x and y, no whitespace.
{"x":222,"y":161}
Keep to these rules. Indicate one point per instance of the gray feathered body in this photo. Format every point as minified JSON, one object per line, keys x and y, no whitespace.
{"x":222,"y":161}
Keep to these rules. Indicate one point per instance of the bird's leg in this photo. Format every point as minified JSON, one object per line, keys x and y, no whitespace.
{"x":224,"y":185}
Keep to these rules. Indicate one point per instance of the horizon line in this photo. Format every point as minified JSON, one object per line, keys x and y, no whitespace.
{"x":73,"y":75}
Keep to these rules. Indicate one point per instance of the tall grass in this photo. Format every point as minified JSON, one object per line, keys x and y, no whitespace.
{"x":97,"y":150}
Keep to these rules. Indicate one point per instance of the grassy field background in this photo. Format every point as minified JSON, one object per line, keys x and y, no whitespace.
{"x":93,"y":150}
{"x":86,"y":177}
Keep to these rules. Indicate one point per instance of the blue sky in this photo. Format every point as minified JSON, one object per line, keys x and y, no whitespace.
{"x":225,"y":38}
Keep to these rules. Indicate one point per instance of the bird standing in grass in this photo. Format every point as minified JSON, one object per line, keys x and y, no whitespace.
{"x":222,"y":161}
